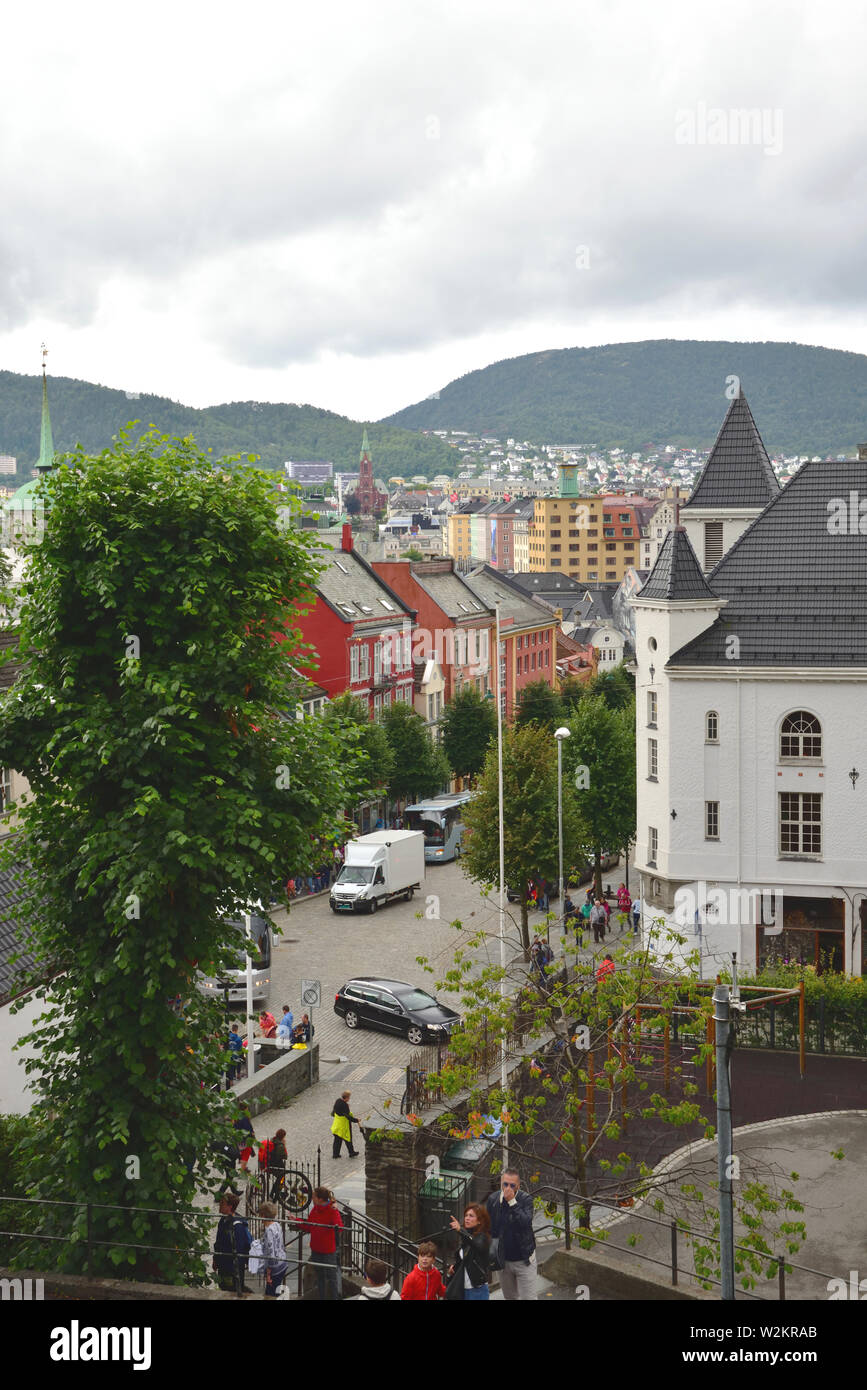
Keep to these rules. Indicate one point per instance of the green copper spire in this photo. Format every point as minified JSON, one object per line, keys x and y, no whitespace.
{"x":568,"y":479}
{"x":46,"y":443}
{"x":365,"y":447}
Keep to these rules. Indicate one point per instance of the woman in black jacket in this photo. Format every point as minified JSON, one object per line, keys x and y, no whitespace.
{"x":470,"y":1271}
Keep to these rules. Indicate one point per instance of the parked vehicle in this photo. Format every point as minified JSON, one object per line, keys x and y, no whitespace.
{"x":378,"y":868}
{"x":260,"y":956}
{"x":393,"y":1007}
{"x":440,"y":819}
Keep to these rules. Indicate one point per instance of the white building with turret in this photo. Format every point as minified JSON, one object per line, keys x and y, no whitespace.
{"x":751,"y":688}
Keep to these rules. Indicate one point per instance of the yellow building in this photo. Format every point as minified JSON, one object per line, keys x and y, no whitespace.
{"x":592,"y":539}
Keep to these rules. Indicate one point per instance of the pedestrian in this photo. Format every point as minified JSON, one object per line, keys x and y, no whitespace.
{"x":570,"y":912}
{"x":377,"y":1285}
{"x":303,"y":1031}
{"x":584,"y":915}
{"x":231,"y":1245}
{"x":284,"y":1027}
{"x":245,"y":1127}
{"x":511,"y":1215}
{"x":236,"y":1055}
{"x":424,"y":1283}
{"x":606,"y":968}
{"x":636,"y":915}
{"x":624,"y":902}
{"x":606,"y":908}
{"x":322,"y":1226}
{"x":341,"y":1126}
{"x":273,"y":1251}
{"x":543,"y":897}
{"x":597,"y":921}
{"x":267,"y":1024}
{"x":276,"y":1157}
{"x":541,"y":956}
{"x":471,"y":1270}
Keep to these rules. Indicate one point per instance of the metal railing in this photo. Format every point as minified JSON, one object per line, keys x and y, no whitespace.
{"x":671,"y":1234}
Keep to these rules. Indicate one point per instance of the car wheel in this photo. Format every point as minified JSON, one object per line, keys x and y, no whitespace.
{"x":408,"y":894}
{"x":415,"y":1035}
{"x":373,"y":905}
{"x":350,"y":1018}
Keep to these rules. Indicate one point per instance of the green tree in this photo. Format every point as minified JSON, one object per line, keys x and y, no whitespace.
{"x":412,"y":554}
{"x":539,"y":704}
{"x":592,"y":1100}
{"x":599,"y":761}
{"x":530,"y":839}
{"x":571,"y":691}
{"x":375,"y":764}
{"x":168,"y":790}
{"x":468,"y":724}
{"x":419,"y":766}
{"x":352,"y":505}
{"x":616,"y":687}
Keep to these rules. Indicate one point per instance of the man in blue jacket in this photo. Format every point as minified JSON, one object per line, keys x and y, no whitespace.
{"x":511,"y":1213}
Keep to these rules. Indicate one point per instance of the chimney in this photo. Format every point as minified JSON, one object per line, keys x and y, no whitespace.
{"x":862,"y":452}
{"x":346,"y":537}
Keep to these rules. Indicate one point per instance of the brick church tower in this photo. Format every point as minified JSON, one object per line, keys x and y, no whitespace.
{"x":370,"y":499}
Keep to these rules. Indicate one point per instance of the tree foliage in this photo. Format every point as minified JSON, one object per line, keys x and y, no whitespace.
{"x":468,"y":724}
{"x":539,"y":704}
{"x":168,"y":790}
{"x":599,"y":761}
{"x":530,"y":837}
{"x":419,"y":767}
{"x":375,"y":764}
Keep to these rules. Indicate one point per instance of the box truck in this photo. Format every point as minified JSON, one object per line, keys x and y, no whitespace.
{"x":377,"y":868}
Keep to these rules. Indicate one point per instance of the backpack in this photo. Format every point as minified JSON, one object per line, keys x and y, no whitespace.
{"x":266,"y":1148}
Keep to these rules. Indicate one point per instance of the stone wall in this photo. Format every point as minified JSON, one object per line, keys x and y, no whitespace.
{"x":283,"y":1075}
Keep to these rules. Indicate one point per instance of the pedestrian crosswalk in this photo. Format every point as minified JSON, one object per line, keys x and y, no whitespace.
{"x":362,"y":1073}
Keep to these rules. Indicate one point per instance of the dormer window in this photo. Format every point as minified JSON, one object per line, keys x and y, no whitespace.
{"x":800,"y":736}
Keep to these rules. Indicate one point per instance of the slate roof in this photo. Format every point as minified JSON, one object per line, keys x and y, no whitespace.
{"x":738,"y":472}
{"x":349,"y":586}
{"x":797,"y":592}
{"x":449,"y":591}
{"x":489,"y":585}
{"x":543,"y":583}
{"x":676,"y":573}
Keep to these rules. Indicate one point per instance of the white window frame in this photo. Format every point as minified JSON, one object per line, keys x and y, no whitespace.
{"x":652,"y":846}
{"x":711,"y":820}
{"x":653,"y":758}
{"x":711,"y":726}
{"x":652,"y":709}
{"x":808,"y":829}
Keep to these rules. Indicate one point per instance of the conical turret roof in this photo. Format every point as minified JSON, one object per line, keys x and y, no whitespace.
{"x":738,"y":472}
{"x":676,"y":573}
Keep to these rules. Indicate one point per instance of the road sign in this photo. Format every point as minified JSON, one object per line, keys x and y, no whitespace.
{"x":311,"y":993}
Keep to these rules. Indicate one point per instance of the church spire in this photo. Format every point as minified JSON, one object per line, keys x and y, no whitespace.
{"x":365,"y":447}
{"x":46,"y":442}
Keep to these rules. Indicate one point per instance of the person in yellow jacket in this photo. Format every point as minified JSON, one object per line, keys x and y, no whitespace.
{"x":341,"y":1126}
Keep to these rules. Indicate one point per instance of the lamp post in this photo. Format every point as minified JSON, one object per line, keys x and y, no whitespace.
{"x":503,"y":1069}
{"x":559,"y":735}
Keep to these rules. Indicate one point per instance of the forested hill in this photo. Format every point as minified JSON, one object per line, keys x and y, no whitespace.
{"x":804,"y":399}
{"x":91,"y":415}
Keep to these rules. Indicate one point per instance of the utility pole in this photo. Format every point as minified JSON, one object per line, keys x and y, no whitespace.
{"x":722,"y":1007}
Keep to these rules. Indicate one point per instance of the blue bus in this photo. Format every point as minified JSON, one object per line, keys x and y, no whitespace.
{"x":440,"y":819}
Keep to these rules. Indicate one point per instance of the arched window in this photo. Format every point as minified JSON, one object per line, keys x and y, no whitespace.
{"x":711,"y":727}
{"x":800,"y":736}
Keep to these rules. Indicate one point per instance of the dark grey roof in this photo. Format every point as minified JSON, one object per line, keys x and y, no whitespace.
{"x":489,"y":586}
{"x":796,"y":590}
{"x":355,"y":591}
{"x":738,"y":472}
{"x":676,"y":573}
{"x":448,"y":589}
{"x":541,"y":583}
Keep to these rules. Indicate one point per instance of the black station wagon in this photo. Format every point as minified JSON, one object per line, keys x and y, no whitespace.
{"x":393,"y":1007}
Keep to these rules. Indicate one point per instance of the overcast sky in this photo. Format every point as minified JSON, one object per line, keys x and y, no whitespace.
{"x":350,"y":204}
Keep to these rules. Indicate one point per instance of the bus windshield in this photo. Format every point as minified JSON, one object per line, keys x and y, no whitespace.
{"x":430,"y":823}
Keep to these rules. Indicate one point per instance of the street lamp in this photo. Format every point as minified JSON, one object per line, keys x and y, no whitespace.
{"x":559,"y":735}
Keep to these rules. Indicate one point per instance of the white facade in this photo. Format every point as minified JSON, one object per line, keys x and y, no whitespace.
{"x":817,"y":908}
{"x":734,"y":521}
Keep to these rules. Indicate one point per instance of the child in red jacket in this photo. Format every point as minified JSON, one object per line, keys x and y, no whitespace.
{"x":323,"y":1224}
{"x":424,"y":1283}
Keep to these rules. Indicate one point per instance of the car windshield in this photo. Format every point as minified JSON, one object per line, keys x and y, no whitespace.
{"x":353,"y":874}
{"x":417,"y":999}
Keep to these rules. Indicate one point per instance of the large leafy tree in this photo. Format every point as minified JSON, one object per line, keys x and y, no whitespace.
{"x":538,"y":703}
{"x":468,"y":724}
{"x":530,"y":839}
{"x":375,"y":760}
{"x":168,"y":789}
{"x":419,"y":767}
{"x":617,"y":687}
{"x":599,"y":761}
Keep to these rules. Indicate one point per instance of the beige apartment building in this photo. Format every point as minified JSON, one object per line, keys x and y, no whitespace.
{"x":591,"y":539}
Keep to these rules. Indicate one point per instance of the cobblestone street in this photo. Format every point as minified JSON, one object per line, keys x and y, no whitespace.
{"x":319,"y":945}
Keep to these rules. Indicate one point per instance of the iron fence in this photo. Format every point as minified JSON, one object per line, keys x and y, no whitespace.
{"x":776,"y":1027}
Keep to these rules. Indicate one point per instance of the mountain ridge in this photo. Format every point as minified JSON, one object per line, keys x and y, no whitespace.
{"x":666,"y":391}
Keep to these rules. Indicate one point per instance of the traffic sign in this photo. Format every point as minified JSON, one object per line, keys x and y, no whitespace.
{"x":311,"y":993}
